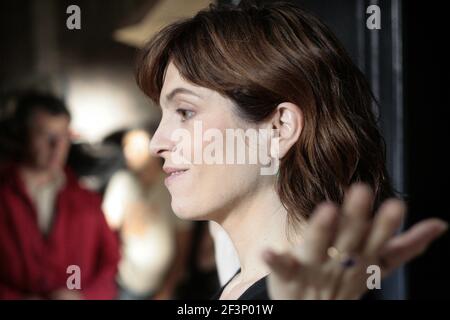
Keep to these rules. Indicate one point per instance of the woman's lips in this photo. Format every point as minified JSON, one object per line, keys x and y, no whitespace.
{"x":173,"y":176}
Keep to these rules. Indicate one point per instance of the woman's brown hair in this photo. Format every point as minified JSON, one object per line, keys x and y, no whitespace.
{"x":262,"y":55}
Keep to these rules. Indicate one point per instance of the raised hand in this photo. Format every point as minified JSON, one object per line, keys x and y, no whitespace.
{"x":341,"y":242}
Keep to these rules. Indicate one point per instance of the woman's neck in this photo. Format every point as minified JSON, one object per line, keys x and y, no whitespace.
{"x":255,"y":224}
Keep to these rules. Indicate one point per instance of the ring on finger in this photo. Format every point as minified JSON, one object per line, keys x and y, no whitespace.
{"x":346,"y":260}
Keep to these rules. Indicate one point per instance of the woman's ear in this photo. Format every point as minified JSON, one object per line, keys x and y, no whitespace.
{"x":288,"y":121}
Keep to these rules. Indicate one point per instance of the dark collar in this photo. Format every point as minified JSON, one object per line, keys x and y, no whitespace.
{"x":257,"y":291}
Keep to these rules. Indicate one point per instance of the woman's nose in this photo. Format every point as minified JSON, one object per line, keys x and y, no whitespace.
{"x":161,"y":144}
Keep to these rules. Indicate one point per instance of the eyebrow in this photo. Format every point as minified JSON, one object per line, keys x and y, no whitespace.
{"x":180,"y":90}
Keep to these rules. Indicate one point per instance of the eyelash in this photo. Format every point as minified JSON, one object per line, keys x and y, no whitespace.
{"x":182,"y":113}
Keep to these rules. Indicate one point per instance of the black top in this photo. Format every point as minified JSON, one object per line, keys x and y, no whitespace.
{"x":257,"y":291}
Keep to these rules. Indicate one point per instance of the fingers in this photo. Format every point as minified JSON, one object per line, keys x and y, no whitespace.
{"x":387,"y":221}
{"x":356,"y":213}
{"x":412,"y":243}
{"x":319,"y":234}
{"x":283,"y":265}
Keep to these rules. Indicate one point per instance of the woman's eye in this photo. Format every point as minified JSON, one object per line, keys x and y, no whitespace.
{"x":185,"y":114}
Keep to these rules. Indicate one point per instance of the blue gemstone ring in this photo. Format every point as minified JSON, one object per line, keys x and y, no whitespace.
{"x":349,"y":262}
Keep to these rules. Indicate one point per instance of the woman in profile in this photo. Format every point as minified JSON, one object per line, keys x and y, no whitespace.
{"x":310,"y":230}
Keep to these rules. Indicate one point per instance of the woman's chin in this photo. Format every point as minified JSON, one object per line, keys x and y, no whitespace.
{"x":182,"y":211}
{"x":185,"y":211}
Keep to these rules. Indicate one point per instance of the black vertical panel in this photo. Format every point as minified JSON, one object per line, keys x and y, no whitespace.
{"x":428,"y":131}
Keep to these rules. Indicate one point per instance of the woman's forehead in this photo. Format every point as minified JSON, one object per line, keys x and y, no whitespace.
{"x":175,"y":83}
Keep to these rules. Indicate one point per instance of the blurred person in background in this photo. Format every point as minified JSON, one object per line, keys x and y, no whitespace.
{"x":48,"y":222}
{"x":202,"y":279}
{"x":155,"y":243}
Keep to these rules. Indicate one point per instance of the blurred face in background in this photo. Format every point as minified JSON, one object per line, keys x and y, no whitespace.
{"x":136,"y":150}
{"x":48,"y":141}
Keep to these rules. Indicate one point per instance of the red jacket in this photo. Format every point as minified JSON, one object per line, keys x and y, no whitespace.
{"x":31,"y":264}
